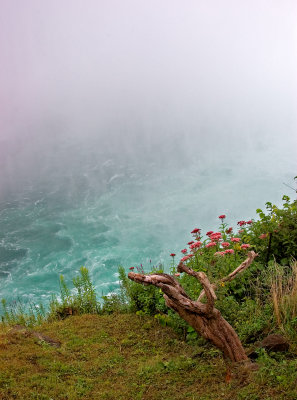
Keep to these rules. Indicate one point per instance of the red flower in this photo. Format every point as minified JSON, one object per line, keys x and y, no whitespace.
{"x":196,"y":230}
{"x":184,"y":251}
{"x":229,"y":230}
{"x":190,"y":243}
{"x":177,"y":274}
{"x":249,"y":222}
{"x":211,"y":244}
{"x":229,"y":251}
{"x":185,"y":258}
{"x":245,"y":246}
{"x":222,"y":216}
{"x":195,"y":245}
{"x":172,"y":255}
{"x":235,"y":240}
{"x":241,"y":223}
{"x":263,"y":236}
{"x":225,"y":244}
{"x":131,"y":268}
{"x":215,"y":236}
{"x":209,"y":233}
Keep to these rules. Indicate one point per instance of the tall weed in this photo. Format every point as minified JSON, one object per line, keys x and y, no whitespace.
{"x":283,"y":282}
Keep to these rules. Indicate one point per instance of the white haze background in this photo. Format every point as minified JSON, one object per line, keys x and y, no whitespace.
{"x":126,"y":124}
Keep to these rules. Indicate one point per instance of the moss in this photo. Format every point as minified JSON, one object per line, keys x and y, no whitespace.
{"x":126,"y":357}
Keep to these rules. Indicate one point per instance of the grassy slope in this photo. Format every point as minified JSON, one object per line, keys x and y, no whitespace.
{"x":127,"y":357}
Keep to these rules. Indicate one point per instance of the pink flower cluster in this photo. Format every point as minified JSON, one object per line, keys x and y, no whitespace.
{"x":195,"y":245}
{"x":245,"y":246}
{"x":242,"y":223}
{"x":222,"y":253}
{"x":229,"y":251}
{"x":185,"y":258}
{"x":211,"y":244}
{"x":263,"y":236}
{"x":215,"y":236}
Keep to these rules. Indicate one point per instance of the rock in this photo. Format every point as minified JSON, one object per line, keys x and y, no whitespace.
{"x":19,"y":329}
{"x":275,"y":343}
{"x":47,"y":339}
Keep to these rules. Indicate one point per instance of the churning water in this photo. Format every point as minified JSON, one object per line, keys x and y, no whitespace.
{"x":105,"y":210}
{"x":124,"y":125}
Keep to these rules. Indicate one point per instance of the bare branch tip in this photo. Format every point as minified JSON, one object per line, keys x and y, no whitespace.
{"x":180,"y":267}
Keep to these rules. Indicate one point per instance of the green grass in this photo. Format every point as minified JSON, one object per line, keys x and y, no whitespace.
{"x":125,"y":356}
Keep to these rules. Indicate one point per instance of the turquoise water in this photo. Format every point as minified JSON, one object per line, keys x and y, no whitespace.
{"x":107,"y":212}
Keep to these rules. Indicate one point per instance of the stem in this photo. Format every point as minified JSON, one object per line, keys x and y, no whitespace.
{"x":269,"y":247}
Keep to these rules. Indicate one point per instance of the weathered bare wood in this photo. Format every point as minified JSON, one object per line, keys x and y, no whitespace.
{"x":172,"y":289}
{"x":202,"y":278}
{"x":242,"y":267}
{"x":204,"y":318}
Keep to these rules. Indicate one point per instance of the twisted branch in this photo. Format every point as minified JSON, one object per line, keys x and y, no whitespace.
{"x":173,"y":291}
{"x":203,"y":279}
{"x":203,"y":317}
{"x":242,"y":267}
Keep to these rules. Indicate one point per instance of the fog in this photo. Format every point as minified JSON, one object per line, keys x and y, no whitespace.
{"x":168,"y":79}
{"x":125,"y":124}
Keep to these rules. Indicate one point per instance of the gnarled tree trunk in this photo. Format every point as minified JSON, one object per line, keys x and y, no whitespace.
{"x":203,"y":317}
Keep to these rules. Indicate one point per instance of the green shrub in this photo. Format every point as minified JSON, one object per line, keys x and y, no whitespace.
{"x":148,"y":299}
{"x":274,"y":236}
{"x":82,"y":301}
{"x":114,"y":303}
{"x":18,"y":313}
